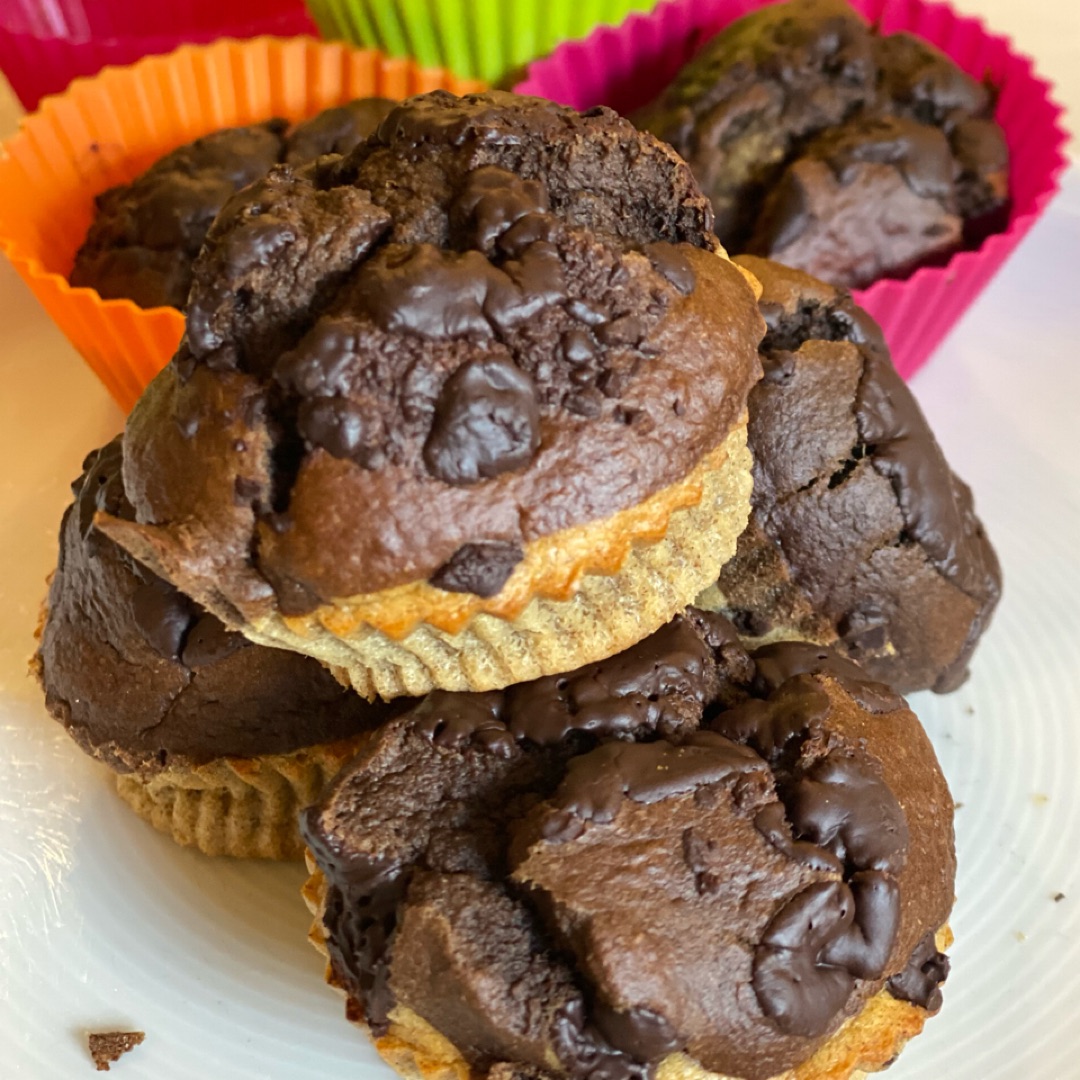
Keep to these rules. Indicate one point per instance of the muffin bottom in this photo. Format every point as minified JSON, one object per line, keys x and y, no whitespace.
{"x":244,"y":807}
{"x":864,"y":1044}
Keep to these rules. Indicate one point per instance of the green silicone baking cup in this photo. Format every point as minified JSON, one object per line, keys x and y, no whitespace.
{"x":480,"y":39}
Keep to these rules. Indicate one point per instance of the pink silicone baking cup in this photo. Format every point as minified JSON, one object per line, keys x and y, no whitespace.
{"x":627,"y":66}
{"x":44,"y":46}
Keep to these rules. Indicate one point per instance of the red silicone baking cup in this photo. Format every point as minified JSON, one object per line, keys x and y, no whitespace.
{"x":627,"y":66}
{"x":106,"y":130}
{"x":44,"y":46}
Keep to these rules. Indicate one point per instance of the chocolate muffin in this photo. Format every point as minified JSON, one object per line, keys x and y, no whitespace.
{"x":684,"y":860}
{"x":146,"y":234}
{"x":215,"y":740}
{"x":461,"y":408}
{"x":860,"y":533}
{"x":832,"y":148}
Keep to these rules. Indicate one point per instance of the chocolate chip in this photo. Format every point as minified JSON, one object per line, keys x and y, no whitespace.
{"x":209,"y":641}
{"x":843,"y":806}
{"x":670,"y":262}
{"x":920,"y":980}
{"x":578,"y":346}
{"x":340,"y":427}
{"x":639,"y":1032}
{"x":800,"y":995}
{"x":163,"y":615}
{"x":482,"y":568}
{"x":587,"y":403}
{"x":487,"y":422}
{"x":625,"y":330}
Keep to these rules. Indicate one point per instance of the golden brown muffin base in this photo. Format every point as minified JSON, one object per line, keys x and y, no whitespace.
{"x":578,"y":596}
{"x":244,"y":807}
{"x":866,"y":1043}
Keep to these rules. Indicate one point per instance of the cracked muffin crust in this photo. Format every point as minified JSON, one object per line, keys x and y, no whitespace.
{"x":860,"y":533}
{"x":834,"y":149}
{"x":476,"y":387}
{"x":146,"y":235}
{"x":155,"y":687}
{"x":685,"y":859}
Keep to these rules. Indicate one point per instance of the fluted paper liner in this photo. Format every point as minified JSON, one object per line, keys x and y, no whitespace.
{"x":106,"y":130}
{"x":866,"y":1043}
{"x":244,"y":807}
{"x":627,"y":66}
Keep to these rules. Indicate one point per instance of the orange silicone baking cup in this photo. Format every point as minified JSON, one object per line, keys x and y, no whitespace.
{"x":107,"y":129}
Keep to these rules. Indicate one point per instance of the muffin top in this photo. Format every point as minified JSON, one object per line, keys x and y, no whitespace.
{"x":143,"y":678}
{"x":859,"y":528}
{"x":494,"y":320}
{"x":146,"y":234}
{"x":801,"y":121}
{"x":550,"y":851}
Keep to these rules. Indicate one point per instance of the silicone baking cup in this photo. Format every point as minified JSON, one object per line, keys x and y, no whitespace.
{"x":44,"y":46}
{"x":627,"y":66}
{"x":106,"y":130}
{"x":485,"y":39}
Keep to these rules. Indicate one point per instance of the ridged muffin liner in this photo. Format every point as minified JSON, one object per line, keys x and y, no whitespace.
{"x":485,"y":39}
{"x":633,"y":572}
{"x":44,"y":46}
{"x":106,"y":130}
{"x":627,"y":66}
{"x":866,"y":1043}
{"x":244,"y":807}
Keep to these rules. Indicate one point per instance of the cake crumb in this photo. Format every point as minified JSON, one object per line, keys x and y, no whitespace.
{"x":109,"y":1046}
{"x":1039,"y":799}
{"x":1021,"y":936}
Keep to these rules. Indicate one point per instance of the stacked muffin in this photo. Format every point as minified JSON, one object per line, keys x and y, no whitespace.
{"x":463,"y":415}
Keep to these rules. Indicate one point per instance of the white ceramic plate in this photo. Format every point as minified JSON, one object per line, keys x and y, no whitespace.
{"x":104,"y":924}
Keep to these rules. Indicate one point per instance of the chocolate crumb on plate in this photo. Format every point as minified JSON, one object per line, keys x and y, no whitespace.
{"x":107,"y":1047}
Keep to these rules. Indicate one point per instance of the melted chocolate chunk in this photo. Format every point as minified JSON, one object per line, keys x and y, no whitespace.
{"x":640,"y":1033}
{"x":454,"y":721}
{"x":596,"y":783}
{"x":163,"y":615}
{"x":799,"y":994}
{"x":772,"y":822}
{"x":840,"y":804}
{"x":920,"y":982}
{"x":670,"y":262}
{"x":584,"y":1055}
{"x":783,"y":660}
{"x":486,"y":422}
{"x":336,"y":130}
{"x":482,"y":568}
{"x":660,"y":685}
{"x":493,"y":201}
